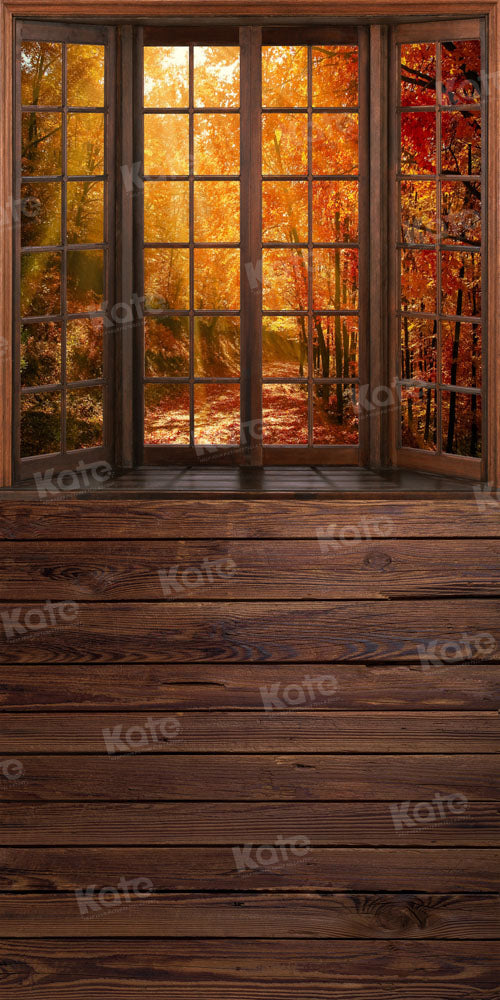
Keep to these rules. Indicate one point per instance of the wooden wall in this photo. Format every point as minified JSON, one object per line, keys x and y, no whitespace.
{"x":314,"y":699}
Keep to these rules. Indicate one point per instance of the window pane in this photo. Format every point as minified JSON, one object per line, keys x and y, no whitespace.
{"x":284,"y":144}
{"x":284,"y":346}
{"x":216,"y":76}
{"x":418,"y":212}
{"x":166,"y":144}
{"x":216,"y":144}
{"x":166,"y":414}
{"x":461,"y":212}
{"x":285,"y":279}
{"x":40,"y":284}
{"x":41,"y":144}
{"x":335,"y":414}
{"x":84,"y":418}
{"x":85,"y":212}
{"x":85,"y":144}
{"x":40,"y":354}
{"x":217,"y":414}
{"x":418,"y":142}
{"x":418,"y":74}
{"x":335,"y":279}
{"x":335,"y":143}
{"x":284,"y":414}
{"x":462,"y":423}
{"x":217,"y":347}
{"x":335,"y":211}
{"x":86,"y":76}
{"x":40,"y":423}
{"x":461,"y":284}
{"x":166,"y":211}
{"x":166,"y":278}
{"x":85,"y":280}
{"x":41,"y":73}
{"x":41,"y":214}
{"x":216,"y":278}
{"x":284,"y":76}
{"x":285,"y":212}
{"x":418,"y":349}
{"x":418,"y":280}
{"x":336,"y":346}
{"x":84,"y":349}
{"x":335,"y":76}
{"x":216,"y":211}
{"x":461,"y":70}
{"x":167,"y":346}
{"x":461,"y":351}
{"x":418,"y":418}
{"x":166,"y":76}
{"x":461,"y":142}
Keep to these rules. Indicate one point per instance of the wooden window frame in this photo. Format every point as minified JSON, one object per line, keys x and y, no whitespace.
{"x":384,"y":13}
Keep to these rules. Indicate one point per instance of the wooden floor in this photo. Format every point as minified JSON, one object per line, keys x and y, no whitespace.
{"x":249,"y":747}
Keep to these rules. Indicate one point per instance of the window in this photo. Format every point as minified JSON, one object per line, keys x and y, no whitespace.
{"x":197,"y":285}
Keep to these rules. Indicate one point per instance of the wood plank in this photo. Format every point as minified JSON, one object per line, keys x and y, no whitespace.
{"x":293,"y":866}
{"x":248,"y":570}
{"x":253,"y":777}
{"x":208,"y":686}
{"x":246,"y":732}
{"x":336,"y":915}
{"x":108,"y":517}
{"x":273,"y":631}
{"x":249,"y":970}
{"x":156,"y":823}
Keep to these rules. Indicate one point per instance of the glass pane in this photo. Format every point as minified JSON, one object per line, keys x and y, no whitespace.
{"x":216,"y":211}
{"x":418,"y":74}
{"x":84,"y":418}
{"x":461,"y":354}
{"x":418,"y":280}
{"x":216,"y":144}
{"x":285,"y":211}
{"x":462,"y":423}
{"x":284,"y":144}
{"x":335,"y":76}
{"x":166,"y":346}
{"x":86,"y":76}
{"x":284,"y":347}
{"x":216,"y":76}
{"x":461,"y":142}
{"x":166,"y":76}
{"x":40,"y":354}
{"x":166,"y":144}
{"x":166,"y":414}
{"x":336,"y":346}
{"x":285,"y":414}
{"x":41,"y":214}
{"x":166,"y":279}
{"x":217,"y":414}
{"x":41,"y":144}
{"x":335,"y":279}
{"x":335,"y":144}
{"x":216,"y":278}
{"x":284,"y":76}
{"x":461,"y":71}
{"x":461,"y":284}
{"x":84,"y":349}
{"x":418,"y":418}
{"x":40,"y":424}
{"x":285,"y":279}
{"x":217,"y":347}
{"x":41,"y":73}
{"x":166,"y":211}
{"x":336,"y":414}
{"x":85,"y":215}
{"x":85,"y":144}
{"x":40,"y":284}
{"x":335,"y":211}
{"x":418,"y":212}
{"x":418,"y":142}
{"x":461,"y":212}
{"x":418,"y":349}
{"x":85,"y":280}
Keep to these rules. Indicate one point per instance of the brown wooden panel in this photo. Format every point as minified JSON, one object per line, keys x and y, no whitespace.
{"x":295,"y":631}
{"x":238,"y":777}
{"x":248,"y":570}
{"x":207,"y":686}
{"x":335,"y":915}
{"x":157,"y":823}
{"x":243,"y":869}
{"x":246,"y":732}
{"x":249,"y":970}
{"x":109,"y":517}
